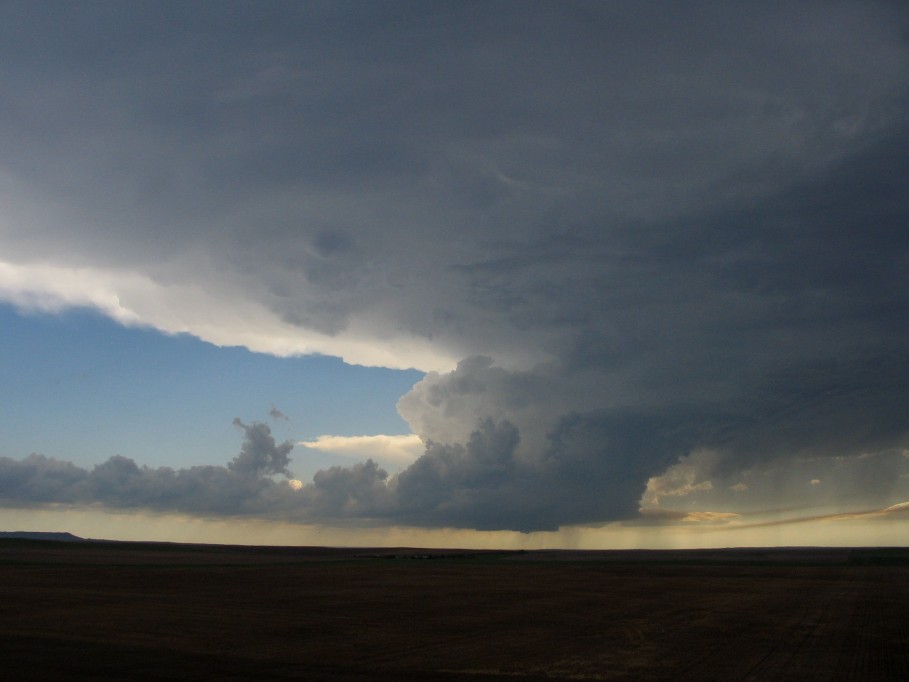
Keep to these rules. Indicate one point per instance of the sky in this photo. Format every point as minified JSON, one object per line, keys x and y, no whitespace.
{"x":493,"y":274}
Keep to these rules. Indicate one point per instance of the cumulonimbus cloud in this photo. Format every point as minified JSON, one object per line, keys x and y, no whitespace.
{"x":612,"y":236}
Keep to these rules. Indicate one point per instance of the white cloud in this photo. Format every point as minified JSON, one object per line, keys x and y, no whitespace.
{"x":681,"y":479}
{"x":388,"y":450}
{"x":50,"y":288}
{"x":209,"y":313}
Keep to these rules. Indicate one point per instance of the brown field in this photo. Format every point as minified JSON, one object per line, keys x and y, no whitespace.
{"x":157,"y":611}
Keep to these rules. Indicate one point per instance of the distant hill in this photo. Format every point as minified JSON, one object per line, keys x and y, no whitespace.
{"x":28,"y":535}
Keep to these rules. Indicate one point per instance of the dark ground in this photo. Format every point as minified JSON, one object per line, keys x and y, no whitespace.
{"x":156,"y":611}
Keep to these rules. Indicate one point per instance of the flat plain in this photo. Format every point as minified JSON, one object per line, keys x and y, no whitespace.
{"x":99,"y":610}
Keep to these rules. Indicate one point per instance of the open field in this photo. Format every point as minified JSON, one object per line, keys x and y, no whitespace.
{"x":157,"y":611}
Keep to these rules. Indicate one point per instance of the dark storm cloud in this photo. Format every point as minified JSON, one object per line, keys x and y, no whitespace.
{"x":645,"y":230}
{"x":591,"y":468}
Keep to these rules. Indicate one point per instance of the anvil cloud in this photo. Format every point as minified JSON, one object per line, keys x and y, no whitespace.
{"x":616,"y":236}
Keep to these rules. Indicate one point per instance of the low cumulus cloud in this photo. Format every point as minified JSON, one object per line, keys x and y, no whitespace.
{"x":478,"y":485}
{"x":613,"y":235}
{"x":244,"y":486}
{"x":484,"y":484}
{"x":259,"y":454}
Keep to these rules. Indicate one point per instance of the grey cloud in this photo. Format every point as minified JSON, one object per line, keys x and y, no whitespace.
{"x":472,"y":485}
{"x":591,"y":467}
{"x":482,"y":484}
{"x":582,"y":466}
{"x":37,"y":479}
{"x":646,"y":229}
{"x":702,"y":481}
{"x":260,"y":455}
{"x":311,"y":104}
{"x":446,"y":408}
{"x":277,"y":415}
{"x":359,"y":491}
{"x":243,"y":487}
